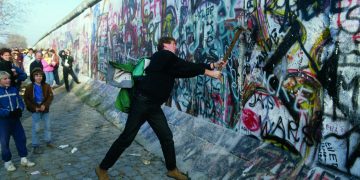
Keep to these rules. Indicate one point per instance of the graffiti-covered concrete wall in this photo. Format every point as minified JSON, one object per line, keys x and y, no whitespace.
{"x":301,"y":87}
{"x":292,"y":80}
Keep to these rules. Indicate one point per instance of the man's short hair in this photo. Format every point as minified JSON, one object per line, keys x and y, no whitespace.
{"x":164,"y":40}
{"x":4,"y":50}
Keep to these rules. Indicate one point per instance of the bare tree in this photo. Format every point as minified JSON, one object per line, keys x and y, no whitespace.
{"x":6,"y":13}
{"x":11,"y":14}
{"x":15,"y":40}
{"x":2,"y":45}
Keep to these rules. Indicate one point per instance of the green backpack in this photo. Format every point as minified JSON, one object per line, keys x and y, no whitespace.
{"x":123,"y":100}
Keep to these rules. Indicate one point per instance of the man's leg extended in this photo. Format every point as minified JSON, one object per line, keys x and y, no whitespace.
{"x":161,"y":128}
{"x":135,"y":120}
{"x":158,"y":123}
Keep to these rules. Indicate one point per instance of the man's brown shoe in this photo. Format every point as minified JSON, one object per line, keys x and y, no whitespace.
{"x":49,"y":145}
{"x":101,"y":173}
{"x":176,"y":174}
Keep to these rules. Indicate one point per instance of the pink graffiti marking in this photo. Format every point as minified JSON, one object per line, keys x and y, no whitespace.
{"x":155,"y":5}
{"x":250,"y":120}
{"x":356,"y":37}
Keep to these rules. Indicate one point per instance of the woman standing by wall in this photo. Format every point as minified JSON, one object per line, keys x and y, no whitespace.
{"x":55,"y":64}
{"x":48,"y":68}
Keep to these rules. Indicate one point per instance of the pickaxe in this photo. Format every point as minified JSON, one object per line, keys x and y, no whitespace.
{"x":239,"y":30}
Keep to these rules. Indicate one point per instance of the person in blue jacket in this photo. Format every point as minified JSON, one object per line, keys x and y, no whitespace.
{"x":11,"y":107}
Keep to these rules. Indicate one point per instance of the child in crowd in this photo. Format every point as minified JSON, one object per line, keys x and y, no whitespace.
{"x":11,"y":106}
{"x":38,"y":96}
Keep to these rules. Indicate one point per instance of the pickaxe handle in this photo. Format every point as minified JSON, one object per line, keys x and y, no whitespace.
{"x":233,"y":42}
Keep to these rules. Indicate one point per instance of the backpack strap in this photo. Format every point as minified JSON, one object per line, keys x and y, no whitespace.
{"x":127,"y":67}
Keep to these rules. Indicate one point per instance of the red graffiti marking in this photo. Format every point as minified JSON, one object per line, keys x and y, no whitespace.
{"x":356,"y":37}
{"x":250,"y":120}
{"x":217,"y":98}
{"x":339,"y":16}
{"x":250,"y":24}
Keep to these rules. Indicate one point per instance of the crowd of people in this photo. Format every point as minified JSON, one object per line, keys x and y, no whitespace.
{"x":41,"y":66}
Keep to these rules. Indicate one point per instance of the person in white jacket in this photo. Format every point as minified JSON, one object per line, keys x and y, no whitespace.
{"x":28,"y":59}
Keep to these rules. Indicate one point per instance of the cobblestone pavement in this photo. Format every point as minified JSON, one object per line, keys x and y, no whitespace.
{"x":82,"y":127}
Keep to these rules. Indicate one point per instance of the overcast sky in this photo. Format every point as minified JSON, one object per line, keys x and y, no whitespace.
{"x":41,"y":16}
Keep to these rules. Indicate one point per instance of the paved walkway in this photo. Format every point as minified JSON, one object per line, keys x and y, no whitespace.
{"x":80,"y":126}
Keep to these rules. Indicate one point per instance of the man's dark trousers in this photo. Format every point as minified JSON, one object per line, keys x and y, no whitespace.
{"x":56,"y":75}
{"x":142,"y":109}
{"x":66,"y":72}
